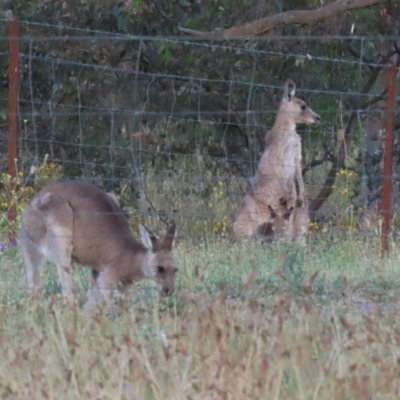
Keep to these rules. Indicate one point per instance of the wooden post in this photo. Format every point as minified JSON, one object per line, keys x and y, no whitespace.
{"x":13,"y":74}
{"x":391,"y":72}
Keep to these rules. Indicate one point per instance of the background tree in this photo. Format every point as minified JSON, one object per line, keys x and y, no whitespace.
{"x":119,"y":94}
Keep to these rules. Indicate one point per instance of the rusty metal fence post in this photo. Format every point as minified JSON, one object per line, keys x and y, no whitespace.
{"x":13,"y":72}
{"x":391,"y":74}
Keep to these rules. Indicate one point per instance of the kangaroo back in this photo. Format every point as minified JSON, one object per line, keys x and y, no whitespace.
{"x":100,"y":231}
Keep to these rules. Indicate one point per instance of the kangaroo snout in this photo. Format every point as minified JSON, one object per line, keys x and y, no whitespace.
{"x":312,"y":118}
{"x":166,"y":291}
{"x":167,"y":283}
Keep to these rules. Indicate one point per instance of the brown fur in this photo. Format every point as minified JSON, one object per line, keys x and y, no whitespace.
{"x":300,"y":221}
{"x":76,"y":222}
{"x":278,"y":226}
{"x":279,"y":169}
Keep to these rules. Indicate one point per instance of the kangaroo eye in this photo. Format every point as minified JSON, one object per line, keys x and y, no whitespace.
{"x":160,"y":269}
{"x":303,"y":107}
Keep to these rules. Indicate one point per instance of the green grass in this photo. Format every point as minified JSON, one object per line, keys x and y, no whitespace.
{"x":247,"y":322}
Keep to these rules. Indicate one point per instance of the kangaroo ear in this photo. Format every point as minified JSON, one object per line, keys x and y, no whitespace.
{"x":289,"y":90}
{"x":169,"y":238}
{"x":113,"y":197}
{"x":272,"y":212}
{"x":148,"y":238}
{"x":288,"y":213}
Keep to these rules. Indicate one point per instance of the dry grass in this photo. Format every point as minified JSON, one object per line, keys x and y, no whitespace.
{"x":246,"y":323}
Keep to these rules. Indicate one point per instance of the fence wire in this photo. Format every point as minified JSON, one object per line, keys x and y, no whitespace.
{"x":176,"y":126}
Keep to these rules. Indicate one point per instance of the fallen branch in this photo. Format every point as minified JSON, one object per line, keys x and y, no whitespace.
{"x":338,"y":161}
{"x":357,"y":55}
{"x":337,"y":164}
{"x":302,"y":17}
{"x":314,"y":163}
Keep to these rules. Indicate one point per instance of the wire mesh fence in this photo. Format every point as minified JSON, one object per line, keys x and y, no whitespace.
{"x":176,"y":126}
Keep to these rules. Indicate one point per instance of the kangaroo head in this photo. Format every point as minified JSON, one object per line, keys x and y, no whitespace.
{"x":160,"y":261}
{"x":295,"y":109}
{"x":280,"y":220}
{"x":278,"y":225}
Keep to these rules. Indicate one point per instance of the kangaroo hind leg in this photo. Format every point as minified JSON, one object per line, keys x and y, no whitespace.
{"x":33,"y":263}
{"x":58,"y":215}
{"x":101,"y":290}
{"x":32,"y":236}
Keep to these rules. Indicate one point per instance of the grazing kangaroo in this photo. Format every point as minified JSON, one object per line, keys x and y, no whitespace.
{"x":76,"y":222}
{"x":279,"y":168}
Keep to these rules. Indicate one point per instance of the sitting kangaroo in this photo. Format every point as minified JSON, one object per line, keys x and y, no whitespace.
{"x":279,"y":168}
{"x":76,"y":222}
